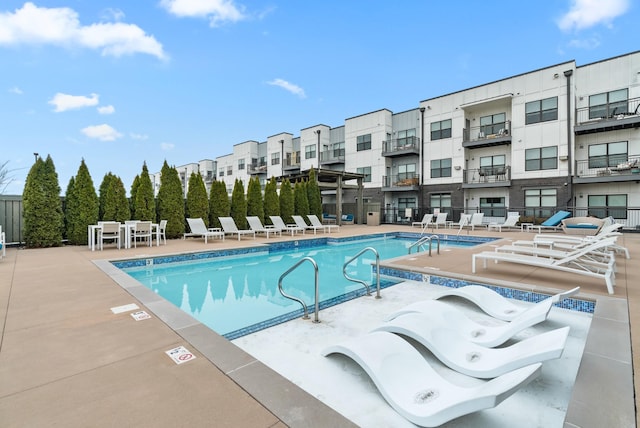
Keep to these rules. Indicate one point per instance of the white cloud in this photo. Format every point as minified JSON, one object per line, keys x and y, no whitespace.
{"x":588,"y":13}
{"x":15,"y":90}
{"x":138,"y":136}
{"x":106,"y":109}
{"x":61,"y":27}
{"x":217,"y":11}
{"x":102,"y":132}
{"x":590,"y":43}
{"x":64,"y":102}
{"x":294,"y":89}
{"x":167,"y":146}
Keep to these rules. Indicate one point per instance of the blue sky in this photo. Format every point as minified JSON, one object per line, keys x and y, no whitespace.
{"x":118,"y":83}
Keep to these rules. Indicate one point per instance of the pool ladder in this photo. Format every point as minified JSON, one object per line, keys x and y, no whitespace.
{"x":422,"y":241}
{"x":366,"y":286}
{"x":317,"y":290}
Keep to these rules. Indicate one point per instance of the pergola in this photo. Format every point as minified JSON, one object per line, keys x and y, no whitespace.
{"x":329,"y":179}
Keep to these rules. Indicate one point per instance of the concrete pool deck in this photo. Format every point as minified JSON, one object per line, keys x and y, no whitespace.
{"x":67,"y":360}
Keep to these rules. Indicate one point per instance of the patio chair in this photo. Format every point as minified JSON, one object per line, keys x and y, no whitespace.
{"x":315,"y":221}
{"x":142,"y":230}
{"x":198,"y":228}
{"x":426,"y":220}
{"x":256,"y":225}
{"x":162,"y":231}
{"x":229,"y":227}
{"x":411,"y":386}
{"x":303,"y":224}
{"x":109,"y":231}
{"x":279,"y":224}
{"x":509,"y":223}
{"x":601,"y":250}
{"x":552,"y":223}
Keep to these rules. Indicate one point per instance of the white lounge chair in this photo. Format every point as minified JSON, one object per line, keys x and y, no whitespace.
{"x":495,"y":304}
{"x":315,"y":221}
{"x":599,"y":250}
{"x":462,"y":223}
{"x":256,"y":225}
{"x":415,"y":390}
{"x":574,"y":263}
{"x":439,"y":220}
{"x":198,"y":228}
{"x":229,"y":227}
{"x":441,"y":313}
{"x":476,"y":220}
{"x":303,"y":224}
{"x":509,"y":223}
{"x":472,"y":359}
{"x":278,"y":223}
{"x":426,"y":220}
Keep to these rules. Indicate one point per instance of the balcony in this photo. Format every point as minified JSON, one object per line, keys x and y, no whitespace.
{"x":332,"y":157}
{"x":401,"y":147}
{"x":260,"y":168}
{"x":476,"y":137}
{"x":590,"y":171}
{"x":401,"y":183}
{"x":610,"y":117}
{"x":496,"y":176}
{"x":292,"y":162}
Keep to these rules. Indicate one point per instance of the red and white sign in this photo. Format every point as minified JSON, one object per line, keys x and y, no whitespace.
{"x":180,"y":355}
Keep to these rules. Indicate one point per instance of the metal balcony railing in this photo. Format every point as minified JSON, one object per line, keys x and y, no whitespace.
{"x":401,"y":180}
{"x":332,"y":156}
{"x":611,"y":111}
{"x":411,"y":144}
{"x":258,"y":168}
{"x":494,"y":174}
{"x":607,"y":166}
{"x":487,"y":132}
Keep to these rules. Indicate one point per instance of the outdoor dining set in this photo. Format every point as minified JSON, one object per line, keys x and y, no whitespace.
{"x":127,"y":234}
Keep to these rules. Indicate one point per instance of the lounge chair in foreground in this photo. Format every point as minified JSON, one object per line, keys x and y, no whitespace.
{"x":315,"y":222}
{"x":441,"y":313}
{"x":415,"y":390}
{"x":198,"y":228}
{"x":472,"y":359}
{"x":230,"y":228}
{"x":552,"y":223}
{"x":256,"y":225}
{"x":279,"y":224}
{"x":495,"y":304}
{"x":303,"y":224}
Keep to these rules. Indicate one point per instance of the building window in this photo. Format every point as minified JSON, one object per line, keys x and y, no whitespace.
{"x":540,"y":202}
{"x":441,"y":202}
{"x":240,"y":164}
{"x":493,"y":207}
{"x":608,"y":104}
{"x":310,"y":151}
{"x":541,"y":110}
{"x":406,"y":138}
{"x":338,"y":150}
{"x":602,"y":206}
{"x":440,"y":130}
{"x":441,"y":168}
{"x":367,"y":173}
{"x":229,"y":170}
{"x":607,"y":155}
{"x":492,"y":165}
{"x":275,"y":158}
{"x":221,"y":173}
{"x":541,"y":158}
{"x":364,"y":142}
{"x":493,"y":125}
{"x":407,"y":172}
{"x":404,"y":203}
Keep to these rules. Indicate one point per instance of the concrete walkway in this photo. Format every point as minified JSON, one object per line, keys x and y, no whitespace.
{"x":67,"y":360}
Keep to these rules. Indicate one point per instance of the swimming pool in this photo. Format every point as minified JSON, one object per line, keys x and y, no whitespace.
{"x":236,"y":292}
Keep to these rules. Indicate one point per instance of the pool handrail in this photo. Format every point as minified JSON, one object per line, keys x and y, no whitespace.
{"x":366,"y":286}
{"x":422,"y":241}
{"x":317,"y":289}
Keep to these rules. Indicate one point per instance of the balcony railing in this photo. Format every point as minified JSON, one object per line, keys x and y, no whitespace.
{"x":613,"y":111}
{"x":401,"y":146}
{"x":487,"y":135}
{"x":401,"y":181}
{"x":291,"y":161}
{"x":620,"y":166}
{"x":258,"y":169}
{"x":494,"y":174}
{"x":332,"y":156}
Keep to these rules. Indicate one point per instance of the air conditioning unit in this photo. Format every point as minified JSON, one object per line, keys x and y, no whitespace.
{"x":563,"y":158}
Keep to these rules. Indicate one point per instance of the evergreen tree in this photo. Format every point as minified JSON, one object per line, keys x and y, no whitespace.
{"x":301,"y":203}
{"x":197,"y":201}
{"x":114,"y":197}
{"x":102,"y":194}
{"x":286,"y":201}
{"x":82,"y":206}
{"x":170,"y":201}
{"x":255,"y":206}
{"x":313,"y":195}
{"x":134,"y":192}
{"x":42,"y":206}
{"x":239,"y":205}
{"x":70,"y":202}
{"x":271,"y":200}
{"x":219,"y":205}
{"x":144,"y":203}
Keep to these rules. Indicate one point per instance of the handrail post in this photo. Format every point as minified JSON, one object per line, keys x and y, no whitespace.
{"x":366,"y":286}
{"x":317,"y":288}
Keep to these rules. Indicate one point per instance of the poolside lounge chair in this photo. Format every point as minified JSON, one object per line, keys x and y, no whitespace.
{"x":256,"y":225}
{"x":509,"y":223}
{"x":600,"y":250}
{"x":198,"y":228}
{"x":576,"y":262}
{"x":472,"y":359}
{"x":415,"y":390}
{"x":463,"y":222}
{"x":229,"y":227}
{"x":315,"y":222}
{"x":476,"y":220}
{"x":441,"y":313}
{"x":495,"y":304}
{"x":439,"y":220}
{"x":426,"y":220}
{"x":279,"y":224}
{"x":552,"y":223}
{"x":303,"y":224}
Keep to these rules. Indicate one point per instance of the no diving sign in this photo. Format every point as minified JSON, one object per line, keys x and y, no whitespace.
{"x":180,"y":355}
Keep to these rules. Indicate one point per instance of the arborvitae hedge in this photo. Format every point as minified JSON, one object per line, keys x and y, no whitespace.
{"x":255,"y":206}
{"x":81,"y":206}
{"x":239,"y":205}
{"x":144,"y":203}
{"x":286,"y":201}
{"x":300,"y":199}
{"x":271,"y":200}
{"x":197,"y":200}
{"x":219,"y":205}
{"x":313,"y":195}
{"x":171,"y":205}
{"x":42,"y":206}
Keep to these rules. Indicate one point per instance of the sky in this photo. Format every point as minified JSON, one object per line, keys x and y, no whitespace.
{"x":120,"y":83}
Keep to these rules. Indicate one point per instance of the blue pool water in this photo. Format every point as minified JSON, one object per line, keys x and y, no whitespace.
{"x":230,"y":294}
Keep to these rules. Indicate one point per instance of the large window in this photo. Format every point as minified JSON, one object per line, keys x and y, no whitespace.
{"x":541,"y":158}
{"x":494,"y":124}
{"x":229,"y":170}
{"x":407,"y":137}
{"x":275,"y":158}
{"x":541,"y":110}
{"x":364,"y":142}
{"x":441,"y":202}
{"x":310,"y":151}
{"x":607,"y":155}
{"x":240,"y":164}
{"x":338,"y":150}
{"x":440,"y":130}
{"x":602,"y":206}
{"x":540,"y":202}
{"x":441,"y":168}
{"x":367,"y":173}
{"x":493,"y":207}
{"x":404,"y":203}
{"x":407,"y":172}
{"x":608,"y":104}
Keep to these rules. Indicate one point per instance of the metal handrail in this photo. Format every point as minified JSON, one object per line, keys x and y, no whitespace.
{"x":423,"y":240}
{"x":366,"y":286}
{"x":317,"y":290}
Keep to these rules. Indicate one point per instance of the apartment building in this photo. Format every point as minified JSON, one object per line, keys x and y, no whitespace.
{"x":561,"y":137}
